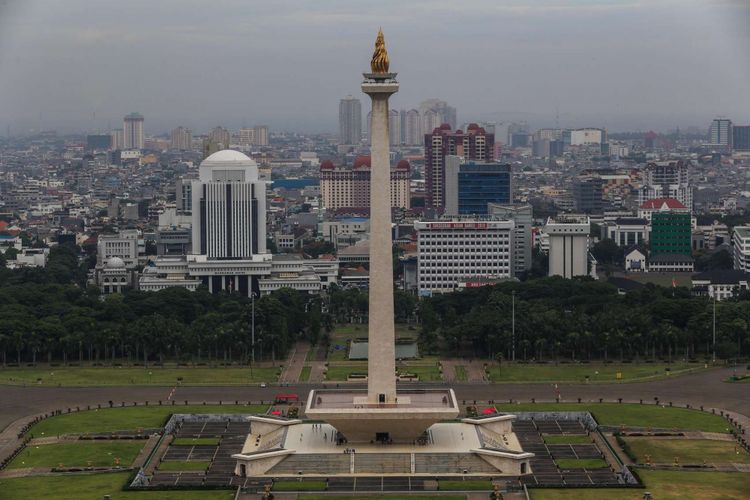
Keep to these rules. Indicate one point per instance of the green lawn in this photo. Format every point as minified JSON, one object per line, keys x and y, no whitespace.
{"x":122,"y":376}
{"x":94,"y":487}
{"x":634,"y":415}
{"x":664,"y":485}
{"x":128,"y":418}
{"x":689,"y":451}
{"x":581,"y":463}
{"x":468,"y":485}
{"x":389,"y":497}
{"x":557,"y":439}
{"x":461,"y":374}
{"x":299,"y":485}
{"x":305,"y":375}
{"x":341,"y":371}
{"x":187,"y":441}
{"x":78,"y":454}
{"x":426,"y":373}
{"x":178,"y":465}
{"x":597,"y":372}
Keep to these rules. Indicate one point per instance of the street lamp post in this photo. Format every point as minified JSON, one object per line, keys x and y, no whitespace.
{"x":252,"y":331}
{"x":714,"y":329}
{"x":513,"y":325}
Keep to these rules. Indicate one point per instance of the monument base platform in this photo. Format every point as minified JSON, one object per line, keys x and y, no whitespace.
{"x":358,"y":421}
{"x":474,"y":447}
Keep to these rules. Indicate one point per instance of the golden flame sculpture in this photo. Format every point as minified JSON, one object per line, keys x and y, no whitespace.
{"x":379,"y":63}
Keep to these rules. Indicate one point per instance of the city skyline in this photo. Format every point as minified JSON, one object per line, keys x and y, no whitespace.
{"x":552,"y":63}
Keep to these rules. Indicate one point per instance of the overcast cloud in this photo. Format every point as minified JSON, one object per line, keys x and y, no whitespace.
{"x":78,"y":65}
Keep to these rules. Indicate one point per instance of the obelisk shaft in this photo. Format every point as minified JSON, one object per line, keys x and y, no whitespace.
{"x":381,"y":364}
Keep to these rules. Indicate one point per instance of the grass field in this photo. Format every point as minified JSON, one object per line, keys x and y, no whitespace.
{"x":597,"y":372}
{"x":120,"y":376}
{"x":426,"y":373}
{"x":299,"y":485}
{"x":689,"y":451}
{"x":634,"y":415}
{"x":305,"y":375}
{"x":180,"y":466}
{"x":78,"y":454}
{"x":461,"y":374}
{"x":581,"y":463}
{"x":129,"y":418}
{"x":186,"y":441}
{"x":567,"y":439}
{"x":664,"y":485}
{"x":468,"y":485}
{"x":94,"y":487}
{"x":341,"y":371}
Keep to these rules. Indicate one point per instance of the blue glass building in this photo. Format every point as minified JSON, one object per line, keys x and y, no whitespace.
{"x":482,"y":183}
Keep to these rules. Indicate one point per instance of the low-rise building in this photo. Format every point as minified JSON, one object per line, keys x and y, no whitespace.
{"x":635,"y":261}
{"x":720,"y":284}
{"x":671,"y":263}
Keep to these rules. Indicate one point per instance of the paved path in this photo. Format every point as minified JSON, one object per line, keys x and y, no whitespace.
{"x":449,"y":369}
{"x":295,"y":362}
{"x":18,"y":405}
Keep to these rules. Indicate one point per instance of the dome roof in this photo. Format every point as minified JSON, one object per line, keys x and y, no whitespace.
{"x":362,"y":161}
{"x":403,"y":165}
{"x":326,"y":165}
{"x":229,"y":155}
{"x":115,"y":263}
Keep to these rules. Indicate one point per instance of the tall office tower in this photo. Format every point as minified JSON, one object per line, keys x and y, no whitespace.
{"x":220,"y":136}
{"x":430,"y":120}
{"x":470,"y":186}
{"x":182,"y":139}
{"x":455,"y":251}
{"x":588,"y":194}
{"x":671,"y":233}
{"x":413,"y":130}
{"x":444,"y":113}
{"x":474,"y":144}
{"x":118,"y":139}
{"x":515,"y":132}
{"x":721,"y":132}
{"x":741,"y":137}
{"x":228,"y":223}
{"x":523,"y":220}
{"x":394,"y":127}
{"x":133,"y":131}
{"x":402,"y":124}
{"x":667,"y":179}
{"x":246,"y":136}
{"x":350,"y":120}
{"x":261,"y":135}
{"x":568,"y":245}
{"x":349,"y":187}
{"x":741,"y":246}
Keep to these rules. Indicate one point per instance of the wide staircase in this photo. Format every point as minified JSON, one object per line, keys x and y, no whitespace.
{"x":321,"y":463}
{"x":451,"y":463}
{"x":382,"y":463}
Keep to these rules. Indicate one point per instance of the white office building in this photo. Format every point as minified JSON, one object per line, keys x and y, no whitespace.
{"x":568,"y":245}
{"x":454,"y":251}
{"x":133,"y":136}
{"x":741,"y":248}
{"x":523,"y":220}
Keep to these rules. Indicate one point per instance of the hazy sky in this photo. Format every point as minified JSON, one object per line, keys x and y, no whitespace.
{"x":81,"y":65}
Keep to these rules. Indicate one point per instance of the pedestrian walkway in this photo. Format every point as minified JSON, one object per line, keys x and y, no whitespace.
{"x":293,"y":366}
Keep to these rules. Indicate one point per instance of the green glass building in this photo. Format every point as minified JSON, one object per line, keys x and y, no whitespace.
{"x":671,"y":233}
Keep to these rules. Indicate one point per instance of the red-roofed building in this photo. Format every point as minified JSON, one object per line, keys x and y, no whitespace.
{"x":349,"y":187}
{"x":648,"y":207}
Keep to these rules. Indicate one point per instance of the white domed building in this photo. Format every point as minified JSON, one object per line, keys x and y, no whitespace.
{"x":114,"y":276}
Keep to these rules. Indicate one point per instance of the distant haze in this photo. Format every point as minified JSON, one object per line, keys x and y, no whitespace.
{"x":75,"y":65}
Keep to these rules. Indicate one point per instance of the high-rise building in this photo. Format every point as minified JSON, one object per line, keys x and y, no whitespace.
{"x":568,"y":245}
{"x":133,"y":131}
{"x":118,"y":139}
{"x":523,"y":221}
{"x":255,"y":136}
{"x":350,"y":120}
{"x":221,"y":137}
{"x":588,"y":194}
{"x":435,"y":112}
{"x":452,"y":251}
{"x":741,"y":248}
{"x":98,"y":142}
{"x":413,"y":131}
{"x":667,"y":179}
{"x":475,"y":144}
{"x":394,"y":127}
{"x":741,"y":137}
{"x":349,"y":187}
{"x":671,"y":233}
{"x":182,"y":139}
{"x":470,"y":186}
{"x":721,"y":132}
